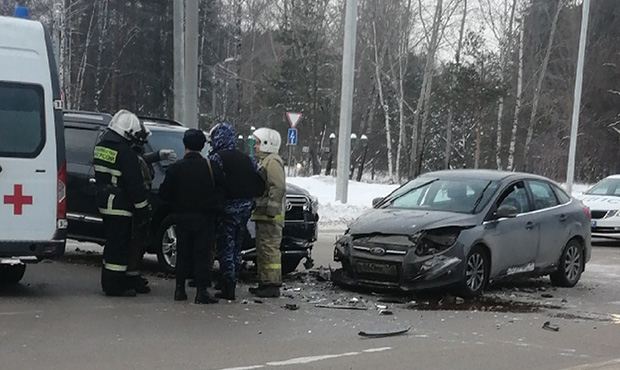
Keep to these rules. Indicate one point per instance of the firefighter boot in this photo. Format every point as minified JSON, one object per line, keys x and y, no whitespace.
{"x":139,"y":283}
{"x":266,"y":291}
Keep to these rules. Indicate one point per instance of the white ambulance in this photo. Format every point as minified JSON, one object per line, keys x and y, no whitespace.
{"x":32,"y":151}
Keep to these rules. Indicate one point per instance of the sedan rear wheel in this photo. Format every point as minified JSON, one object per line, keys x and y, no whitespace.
{"x":570,"y":266}
{"x":476,"y":273}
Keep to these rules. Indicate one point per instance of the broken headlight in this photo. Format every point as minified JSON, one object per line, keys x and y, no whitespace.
{"x":436,"y":241}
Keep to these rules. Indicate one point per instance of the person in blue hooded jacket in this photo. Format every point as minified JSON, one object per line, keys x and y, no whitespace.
{"x":242,"y":183}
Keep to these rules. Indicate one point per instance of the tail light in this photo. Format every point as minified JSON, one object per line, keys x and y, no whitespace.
{"x":586,"y":211}
{"x":61,"y":197}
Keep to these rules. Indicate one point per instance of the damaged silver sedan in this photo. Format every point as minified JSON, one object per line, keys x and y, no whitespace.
{"x":463,"y":229}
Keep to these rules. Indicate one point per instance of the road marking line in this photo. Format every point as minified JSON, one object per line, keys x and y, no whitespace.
{"x":598,"y":365}
{"x":309,"y":359}
{"x":372,"y":350}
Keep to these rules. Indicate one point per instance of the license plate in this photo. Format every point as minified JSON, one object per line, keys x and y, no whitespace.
{"x":376,"y":268}
{"x":593,"y":224}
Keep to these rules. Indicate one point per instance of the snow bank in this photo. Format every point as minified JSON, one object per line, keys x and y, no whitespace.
{"x":333,"y":213}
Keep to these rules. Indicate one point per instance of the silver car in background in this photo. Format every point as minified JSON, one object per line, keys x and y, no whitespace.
{"x":463,"y":229}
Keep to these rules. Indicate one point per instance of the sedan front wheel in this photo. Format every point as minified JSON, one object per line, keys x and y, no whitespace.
{"x":476,"y":273}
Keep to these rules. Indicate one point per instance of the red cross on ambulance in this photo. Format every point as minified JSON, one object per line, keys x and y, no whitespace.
{"x":18,"y":200}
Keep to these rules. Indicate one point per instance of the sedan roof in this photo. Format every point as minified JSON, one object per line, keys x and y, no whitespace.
{"x":490,"y":175}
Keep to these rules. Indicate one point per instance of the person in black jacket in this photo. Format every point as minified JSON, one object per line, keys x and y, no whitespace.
{"x":242,"y":183}
{"x":121,"y":197}
{"x":193,"y":188}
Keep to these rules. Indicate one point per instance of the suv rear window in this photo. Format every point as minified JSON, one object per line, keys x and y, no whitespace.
{"x":22,"y":120}
{"x":80,"y":143}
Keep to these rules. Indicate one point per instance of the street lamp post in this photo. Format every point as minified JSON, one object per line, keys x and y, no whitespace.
{"x":353,"y":160}
{"x":570,"y":172}
{"x":360,"y":171}
{"x":328,"y":168}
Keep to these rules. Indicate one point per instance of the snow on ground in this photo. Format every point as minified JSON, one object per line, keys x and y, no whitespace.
{"x":336,"y":215}
{"x":333,"y":213}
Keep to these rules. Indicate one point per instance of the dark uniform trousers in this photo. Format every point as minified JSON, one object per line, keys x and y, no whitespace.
{"x":116,"y":253}
{"x":230,"y":229}
{"x":195,"y":245}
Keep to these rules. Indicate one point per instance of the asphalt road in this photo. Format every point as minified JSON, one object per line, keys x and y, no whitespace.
{"x":58,"y":319}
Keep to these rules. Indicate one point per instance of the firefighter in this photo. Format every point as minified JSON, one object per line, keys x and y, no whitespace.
{"x":242,"y":183}
{"x":269,"y":214}
{"x":193,"y":189}
{"x":121,"y":197}
{"x":140,"y":231}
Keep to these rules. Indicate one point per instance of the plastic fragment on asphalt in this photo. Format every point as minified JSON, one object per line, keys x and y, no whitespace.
{"x":386,"y":312}
{"x":548,"y":326}
{"x":381,"y":334}
{"x":381,"y":306}
{"x":547,"y":295}
{"x":341,"y":307}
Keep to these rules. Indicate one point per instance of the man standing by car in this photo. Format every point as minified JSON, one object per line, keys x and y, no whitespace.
{"x":269,"y":214}
{"x":241,"y":184}
{"x":121,"y":198}
{"x":192,"y":187}
{"x":140,"y":231}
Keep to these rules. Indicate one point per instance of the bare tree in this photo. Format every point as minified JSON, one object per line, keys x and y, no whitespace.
{"x":539,"y":83}
{"x":515,"y":122}
{"x":425,"y":91}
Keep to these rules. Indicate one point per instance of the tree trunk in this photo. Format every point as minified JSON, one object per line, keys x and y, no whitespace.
{"x":424,"y":98}
{"x":84,"y":62}
{"x":402,"y":69}
{"x":500,"y":109}
{"x":515,"y":122}
{"x":384,"y":105}
{"x":448,"y":149}
{"x":102,"y":21}
{"x":541,"y":78}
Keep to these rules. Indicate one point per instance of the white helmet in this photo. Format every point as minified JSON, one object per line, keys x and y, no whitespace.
{"x":269,"y":140}
{"x":129,"y":126}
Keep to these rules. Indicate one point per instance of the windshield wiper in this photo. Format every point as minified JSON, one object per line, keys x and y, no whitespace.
{"x":481,"y":195}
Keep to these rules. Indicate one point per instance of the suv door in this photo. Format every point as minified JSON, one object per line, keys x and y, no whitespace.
{"x":513,"y":241}
{"x":84,"y":220}
{"x":552,"y":218}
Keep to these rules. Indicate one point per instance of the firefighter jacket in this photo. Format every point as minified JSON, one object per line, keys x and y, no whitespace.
{"x":270,"y":206}
{"x":120,"y":183}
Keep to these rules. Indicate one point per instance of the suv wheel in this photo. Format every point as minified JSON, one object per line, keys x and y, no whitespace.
{"x":11,"y":274}
{"x":570,"y":266}
{"x":167,"y":245}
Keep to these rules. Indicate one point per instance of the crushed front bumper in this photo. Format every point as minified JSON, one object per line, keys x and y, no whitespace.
{"x":396,"y":267}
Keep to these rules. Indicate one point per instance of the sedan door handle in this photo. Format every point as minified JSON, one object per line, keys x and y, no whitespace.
{"x":92,"y":180}
{"x":529,"y":225}
{"x":563,"y":218}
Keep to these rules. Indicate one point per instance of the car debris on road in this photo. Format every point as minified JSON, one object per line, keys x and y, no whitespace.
{"x":382,"y":334}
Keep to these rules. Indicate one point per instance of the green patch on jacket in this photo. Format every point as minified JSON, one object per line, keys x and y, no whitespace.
{"x":105,"y":154}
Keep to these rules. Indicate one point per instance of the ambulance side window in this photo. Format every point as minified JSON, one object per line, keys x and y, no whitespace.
{"x":22,"y":120}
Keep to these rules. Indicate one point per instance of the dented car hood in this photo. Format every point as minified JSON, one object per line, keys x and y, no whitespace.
{"x":407,"y":221}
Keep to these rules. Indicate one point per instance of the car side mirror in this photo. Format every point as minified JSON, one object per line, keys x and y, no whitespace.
{"x":506,"y":211}
{"x":376,"y":202}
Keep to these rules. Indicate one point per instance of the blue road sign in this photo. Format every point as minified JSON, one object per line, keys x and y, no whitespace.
{"x":292,"y":136}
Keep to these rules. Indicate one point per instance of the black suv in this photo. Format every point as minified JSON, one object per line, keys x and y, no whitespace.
{"x":85,"y":224}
